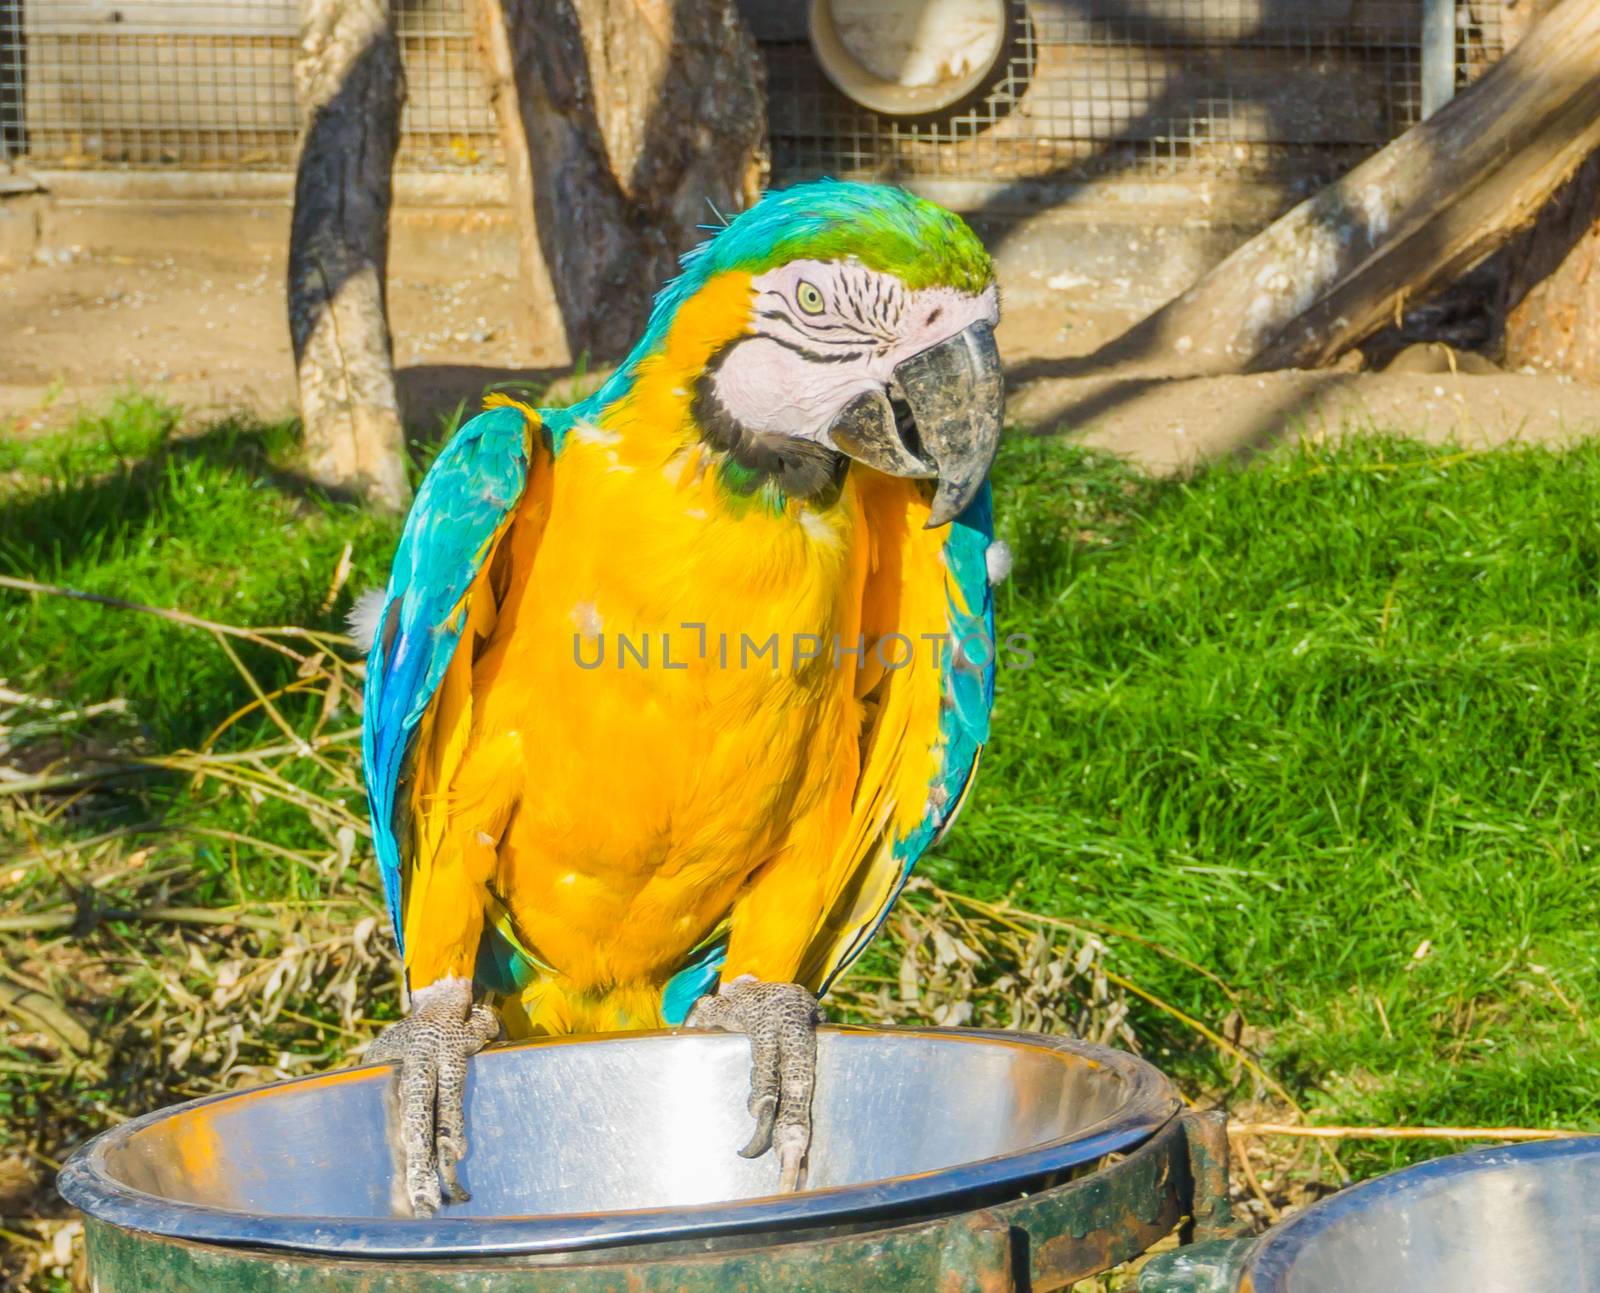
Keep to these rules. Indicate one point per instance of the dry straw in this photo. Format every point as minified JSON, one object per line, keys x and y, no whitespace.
{"x":120,"y":991}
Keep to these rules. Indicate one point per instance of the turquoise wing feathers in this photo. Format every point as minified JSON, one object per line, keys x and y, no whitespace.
{"x":465,"y":503}
{"x":967,"y":664}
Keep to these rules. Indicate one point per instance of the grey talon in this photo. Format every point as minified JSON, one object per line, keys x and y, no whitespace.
{"x":780,"y":1019}
{"x":432,"y":1045}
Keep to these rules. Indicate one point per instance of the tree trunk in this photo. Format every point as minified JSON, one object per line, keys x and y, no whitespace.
{"x":350,"y":86}
{"x":1551,"y":303}
{"x":1410,"y":218}
{"x":541,"y":339}
{"x":639,"y":117}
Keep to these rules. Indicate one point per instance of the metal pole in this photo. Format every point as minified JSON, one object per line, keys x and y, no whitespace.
{"x":1438,"y":55}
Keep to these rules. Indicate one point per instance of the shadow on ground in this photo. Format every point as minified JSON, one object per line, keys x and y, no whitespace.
{"x":435,"y":397}
{"x":54,"y":526}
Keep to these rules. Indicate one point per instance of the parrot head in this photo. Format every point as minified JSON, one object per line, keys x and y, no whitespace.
{"x":867,"y":334}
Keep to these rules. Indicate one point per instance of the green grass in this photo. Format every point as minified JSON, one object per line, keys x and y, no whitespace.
{"x":216,"y":524}
{"x":211,"y":523}
{"x":214,"y":521}
{"x":1327,"y":724}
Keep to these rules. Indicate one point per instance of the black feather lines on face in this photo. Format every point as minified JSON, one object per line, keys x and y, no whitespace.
{"x":800,"y":468}
{"x":876,"y":302}
{"x":817,"y":340}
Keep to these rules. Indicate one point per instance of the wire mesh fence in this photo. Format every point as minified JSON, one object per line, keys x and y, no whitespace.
{"x":1085,"y":88}
{"x":210,"y":83}
{"x":1147,"y":87}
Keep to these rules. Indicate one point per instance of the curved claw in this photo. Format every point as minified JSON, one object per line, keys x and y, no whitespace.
{"x":780,"y":1020}
{"x":432,"y":1045}
{"x":766,"y":1112}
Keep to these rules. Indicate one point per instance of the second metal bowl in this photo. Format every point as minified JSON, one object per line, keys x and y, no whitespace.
{"x":1502,"y":1220}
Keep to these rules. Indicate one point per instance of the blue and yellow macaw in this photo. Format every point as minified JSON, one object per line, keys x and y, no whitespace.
{"x":670,"y":689}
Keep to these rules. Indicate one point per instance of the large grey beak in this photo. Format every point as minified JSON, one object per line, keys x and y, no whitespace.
{"x":952,"y":399}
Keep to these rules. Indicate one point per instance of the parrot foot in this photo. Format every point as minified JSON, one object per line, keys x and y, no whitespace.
{"x":780,"y":1020}
{"x":432,"y":1044}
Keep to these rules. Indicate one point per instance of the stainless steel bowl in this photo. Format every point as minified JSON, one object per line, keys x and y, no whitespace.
{"x":580,"y":1143}
{"x":1490,"y":1221}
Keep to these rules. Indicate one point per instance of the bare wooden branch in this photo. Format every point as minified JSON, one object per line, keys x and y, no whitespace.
{"x":1406,"y":221}
{"x":350,"y":87}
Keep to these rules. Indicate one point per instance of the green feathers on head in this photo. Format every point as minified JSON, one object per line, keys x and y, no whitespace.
{"x":885,"y":228}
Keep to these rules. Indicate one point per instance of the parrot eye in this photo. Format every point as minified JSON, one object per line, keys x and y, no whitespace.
{"x":809,"y":298}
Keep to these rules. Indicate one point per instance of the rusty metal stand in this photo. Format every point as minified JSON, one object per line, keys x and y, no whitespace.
{"x":1046,"y":1240}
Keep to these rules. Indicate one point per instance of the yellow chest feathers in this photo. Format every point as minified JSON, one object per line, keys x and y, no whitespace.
{"x":666,"y":683}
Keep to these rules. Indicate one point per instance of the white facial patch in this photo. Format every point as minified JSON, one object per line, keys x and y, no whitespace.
{"x":824,"y":332}
{"x":772,"y":389}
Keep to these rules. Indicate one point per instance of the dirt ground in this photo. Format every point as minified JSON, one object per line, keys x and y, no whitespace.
{"x":76,"y":328}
